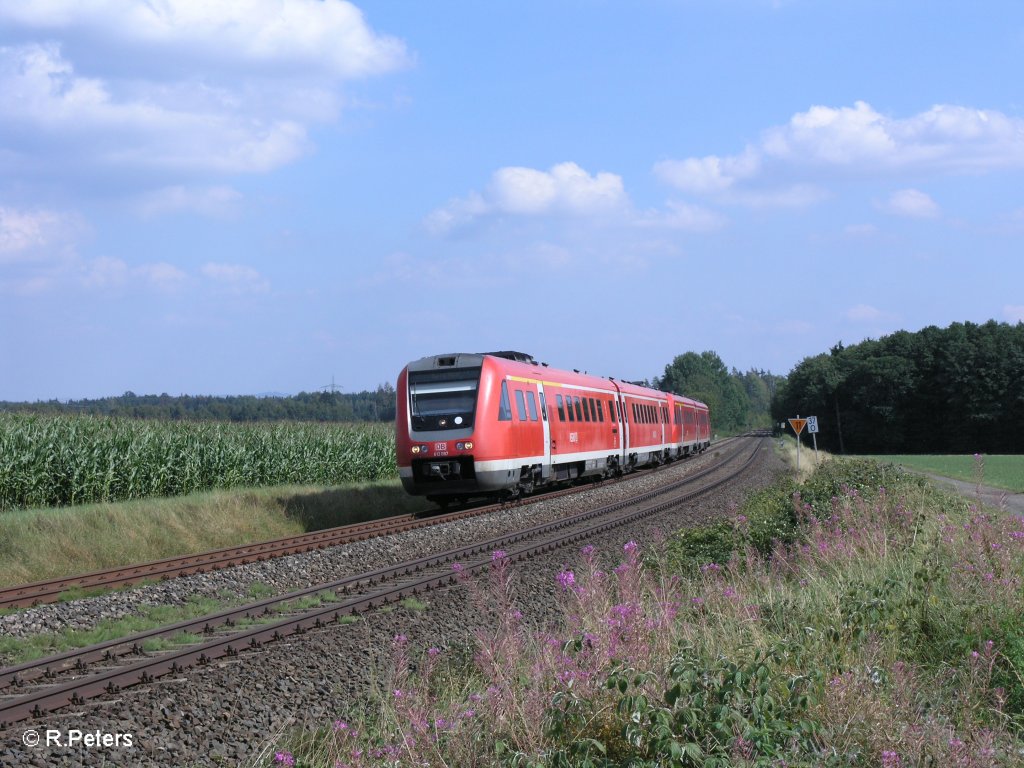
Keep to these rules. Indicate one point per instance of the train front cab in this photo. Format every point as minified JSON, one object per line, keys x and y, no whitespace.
{"x":461,"y":431}
{"x":436,"y":414}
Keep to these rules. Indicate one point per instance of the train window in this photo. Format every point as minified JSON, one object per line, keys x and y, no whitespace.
{"x":561,"y":409}
{"x":586,"y":411}
{"x":611,"y":410}
{"x":618,"y":409}
{"x":576,"y":405}
{"x":531,"y":403}
{"x":600,"y":411}
{"x":520,"y":405}
{"x":543,"y":407}
{"x":568,"y":407}
{"x":504,"y":407}
{"x":634,"y":413}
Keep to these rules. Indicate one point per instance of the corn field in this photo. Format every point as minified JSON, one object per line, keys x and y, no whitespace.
{"x":62,"y":460}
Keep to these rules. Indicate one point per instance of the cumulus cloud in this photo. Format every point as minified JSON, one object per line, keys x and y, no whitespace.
{"x":235,"y":278}
{"x":33,"y":235}
{"x":180,"y":86}
{"x":318,"y":35}
{"x":911,"y":203}
{"x":564,"y":189}
{"x":708,"y":174}
{"x":855,"y":141}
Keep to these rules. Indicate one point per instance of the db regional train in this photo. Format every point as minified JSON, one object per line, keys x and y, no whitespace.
{"x":501,"y":424}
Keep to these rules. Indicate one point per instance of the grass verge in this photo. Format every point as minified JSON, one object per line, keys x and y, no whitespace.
{"x":38,"y":544}
{"x":1000,"y":471}
{"x":861,"y":618}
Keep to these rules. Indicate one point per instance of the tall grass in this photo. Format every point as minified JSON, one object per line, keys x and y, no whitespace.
{"x":63,"y":460}
{"x":851,"y":625}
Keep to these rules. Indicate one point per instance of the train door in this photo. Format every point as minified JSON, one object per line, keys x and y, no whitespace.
{"x":546,"y":422}
{"x":622,"y":422}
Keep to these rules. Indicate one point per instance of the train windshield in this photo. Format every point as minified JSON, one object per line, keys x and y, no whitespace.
{"x":443,"y":399}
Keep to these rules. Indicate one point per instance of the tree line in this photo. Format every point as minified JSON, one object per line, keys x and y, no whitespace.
{"x":940,"y":390}
{"x":737,"y":401}
{"x":376,"y":405}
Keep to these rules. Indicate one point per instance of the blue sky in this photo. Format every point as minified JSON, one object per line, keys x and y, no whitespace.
{"x":231,"y":198}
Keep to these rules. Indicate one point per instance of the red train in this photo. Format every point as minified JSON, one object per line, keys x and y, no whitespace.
{"x":502,"y":424}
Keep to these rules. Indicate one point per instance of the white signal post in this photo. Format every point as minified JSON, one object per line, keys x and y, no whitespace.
{"x":798,"y":426}
{"x":812,"y":428}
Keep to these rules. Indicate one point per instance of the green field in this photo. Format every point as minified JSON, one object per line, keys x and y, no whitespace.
{"x":1000,"y":471}
{"x":50,"y":461}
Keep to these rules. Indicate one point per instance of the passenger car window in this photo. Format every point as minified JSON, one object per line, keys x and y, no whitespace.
{"x":504,"y":407}
{"x":561,"y":409}
{"x":531,"y":402}
{"x":520,"y":405}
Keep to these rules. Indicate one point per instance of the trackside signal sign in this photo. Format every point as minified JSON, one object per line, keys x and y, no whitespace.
{"x":797,"y":425}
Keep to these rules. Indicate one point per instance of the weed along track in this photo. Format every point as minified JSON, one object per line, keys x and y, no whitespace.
{"x":33,"y":689}
{"x":36,"y":593}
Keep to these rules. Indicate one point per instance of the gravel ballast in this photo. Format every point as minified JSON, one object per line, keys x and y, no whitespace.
{"x":226,"y":712}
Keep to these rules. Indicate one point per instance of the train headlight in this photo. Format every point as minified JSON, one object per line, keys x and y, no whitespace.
{"x":415,"y":449}
{"x":469,"y":445}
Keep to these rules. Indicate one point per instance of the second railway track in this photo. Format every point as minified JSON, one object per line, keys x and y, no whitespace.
{"x":53,"y":590}
{"x":351,"y":595}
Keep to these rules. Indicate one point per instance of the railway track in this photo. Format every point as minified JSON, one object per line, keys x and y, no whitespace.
{"x":36,"y":593}
{"x":36,"y":688}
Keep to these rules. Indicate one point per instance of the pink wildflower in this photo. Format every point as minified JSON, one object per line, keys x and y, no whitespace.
{"x":566,"y":579}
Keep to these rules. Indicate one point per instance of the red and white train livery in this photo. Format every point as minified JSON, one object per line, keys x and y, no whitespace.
{"x":500,"y":423}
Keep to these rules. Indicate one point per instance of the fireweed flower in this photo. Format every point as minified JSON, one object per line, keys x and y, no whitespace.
{"x":567,"y":579}
{"x":284,"y":758}
{"x":587,"y":550}
{"x":630,"y":547}
{"x":497,"y":555}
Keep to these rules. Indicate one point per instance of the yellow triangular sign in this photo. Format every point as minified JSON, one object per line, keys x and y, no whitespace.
{"x":797,"y":425}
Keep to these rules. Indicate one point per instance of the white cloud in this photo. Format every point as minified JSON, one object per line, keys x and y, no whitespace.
{"x":105,"y":272}
{"x":864,"y":313}
{"x":192,"y":128}
{"x":311,"y":35}
{"x":1014,"y":313}
{"x":161,"y":275}
{"x":217,"y":202}
{"x":566,"y":189}
{"x":236,"y":278}
{"x":34,"y":235}
{"x":708,"y":174}
{"x":178,"y":86}
{"x":683,"y":216}
{"x":853,"y":141}
{"x":911,"y":203}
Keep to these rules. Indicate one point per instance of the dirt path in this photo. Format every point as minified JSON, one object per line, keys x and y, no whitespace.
{"x":995,"y":497}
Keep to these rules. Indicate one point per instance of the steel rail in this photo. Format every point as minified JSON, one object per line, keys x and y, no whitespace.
{"x":37,"y":703}
{"x":49,"y":591}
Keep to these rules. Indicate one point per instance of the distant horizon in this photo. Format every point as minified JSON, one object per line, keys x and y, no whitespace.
{"x":342,"y":390}
{"x":238,"y":197}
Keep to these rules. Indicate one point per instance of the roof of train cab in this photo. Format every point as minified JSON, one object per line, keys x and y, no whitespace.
{"x":522,"y":365}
